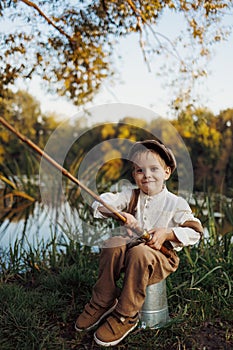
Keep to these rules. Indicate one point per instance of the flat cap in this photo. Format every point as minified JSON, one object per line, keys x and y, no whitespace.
{"x":165,"y":153}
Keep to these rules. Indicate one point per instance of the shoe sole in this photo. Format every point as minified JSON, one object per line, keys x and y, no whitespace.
{"x":114,"y":342}
{"x":97,"y":322}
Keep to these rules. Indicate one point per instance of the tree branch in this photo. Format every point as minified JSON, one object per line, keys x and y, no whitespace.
{"x":139,"y":16}
{"x":50,"y":22}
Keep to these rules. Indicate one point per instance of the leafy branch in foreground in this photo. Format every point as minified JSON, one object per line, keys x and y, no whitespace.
{"x":71,"y":45}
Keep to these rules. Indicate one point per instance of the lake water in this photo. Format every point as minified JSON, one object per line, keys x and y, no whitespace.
{"x":46,"y":222}
{"x":43,"y":223}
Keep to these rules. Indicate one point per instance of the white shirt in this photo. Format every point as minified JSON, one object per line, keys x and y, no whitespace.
{"x":162,"y":210}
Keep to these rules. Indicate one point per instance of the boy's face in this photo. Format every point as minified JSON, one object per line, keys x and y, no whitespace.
{"x":150,"y":172}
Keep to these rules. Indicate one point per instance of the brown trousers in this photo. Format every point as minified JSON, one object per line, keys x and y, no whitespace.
{"x":141,"y":265}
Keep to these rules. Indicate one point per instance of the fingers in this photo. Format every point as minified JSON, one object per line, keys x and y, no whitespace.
{"x":155,"y":244}
{"x":130,"y":232}
{"x":131,"y":222}
{"x":157,"y":239}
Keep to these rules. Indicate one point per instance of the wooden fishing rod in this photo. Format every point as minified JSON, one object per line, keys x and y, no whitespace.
{"x":143,"y":234}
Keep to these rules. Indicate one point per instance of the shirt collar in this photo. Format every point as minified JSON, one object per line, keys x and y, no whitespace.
{"x":157,"y":196}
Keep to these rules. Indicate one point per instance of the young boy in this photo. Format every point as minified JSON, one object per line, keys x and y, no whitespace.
{"x":169,"y":220}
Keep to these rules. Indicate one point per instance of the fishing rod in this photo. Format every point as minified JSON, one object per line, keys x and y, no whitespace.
{"x":144,"y":236}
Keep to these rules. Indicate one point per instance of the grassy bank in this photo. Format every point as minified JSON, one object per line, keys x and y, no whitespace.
{"x":43,"y":290}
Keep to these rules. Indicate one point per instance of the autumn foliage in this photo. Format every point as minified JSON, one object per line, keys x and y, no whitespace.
{"x":208,"y":139}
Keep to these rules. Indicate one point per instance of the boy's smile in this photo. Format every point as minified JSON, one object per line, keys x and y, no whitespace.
{"x":150,"y":172}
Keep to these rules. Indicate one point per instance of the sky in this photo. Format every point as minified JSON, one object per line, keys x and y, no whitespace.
{"x":138,"y":86}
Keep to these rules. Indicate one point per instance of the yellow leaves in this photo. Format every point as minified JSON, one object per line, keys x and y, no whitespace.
{"x":214,"y":6}
{"x":76,"y":56}
{"x":112,"y":168}
{"x":124,"y":132}
{"x":208,"y":136}
{"x":187,"y":134}
{"x":107,"y":131}
{"x":200,"y":126}
{"x":206,"y":132}
{"x":112,"y":163}
{"x":82,"y":69}
{"x":67,"y":82}
{"x":4,"y":136}
{"x":198,"y":31}
{"x":39,"y":57}
{"x":171,"y":5}
{"x":133,"y":138}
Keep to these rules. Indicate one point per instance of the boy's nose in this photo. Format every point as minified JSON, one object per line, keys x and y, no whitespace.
{"x":147,"y":172}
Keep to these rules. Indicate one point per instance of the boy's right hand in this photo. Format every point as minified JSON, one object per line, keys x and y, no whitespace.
{"x":131,"y":224}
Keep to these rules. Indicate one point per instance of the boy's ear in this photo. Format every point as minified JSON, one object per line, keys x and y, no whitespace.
{"x":168,"y":172}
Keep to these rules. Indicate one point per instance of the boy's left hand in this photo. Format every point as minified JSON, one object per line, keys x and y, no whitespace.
{"x":160,"y":235}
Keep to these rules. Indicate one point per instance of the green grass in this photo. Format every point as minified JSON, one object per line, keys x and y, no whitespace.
{"x":40,"y":303}
{"x":43,"y":290}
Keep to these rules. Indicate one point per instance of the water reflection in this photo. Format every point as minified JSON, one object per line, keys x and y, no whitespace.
{"x":44,"y":222}
{"x":31,"y":227}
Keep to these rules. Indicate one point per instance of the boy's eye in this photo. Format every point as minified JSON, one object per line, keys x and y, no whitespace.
{"x":153,"y":169}
{"x":139,"y":171}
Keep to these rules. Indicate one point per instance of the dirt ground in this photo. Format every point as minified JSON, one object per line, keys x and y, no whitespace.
{"x":209,"y":337}
{"x":214,"y":337}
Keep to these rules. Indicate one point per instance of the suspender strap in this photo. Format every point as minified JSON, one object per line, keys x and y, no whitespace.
{"x":133,"y":201}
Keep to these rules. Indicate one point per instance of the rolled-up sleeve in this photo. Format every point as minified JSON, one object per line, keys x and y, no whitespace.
{"x":118,"y":201}
{"x":186,"y":235}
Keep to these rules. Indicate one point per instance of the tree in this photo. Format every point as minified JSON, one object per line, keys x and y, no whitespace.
{"x":224,"y":165}
{"x":22,"y":111}
{"x":70,"y":44}
{"x":210,"y":142}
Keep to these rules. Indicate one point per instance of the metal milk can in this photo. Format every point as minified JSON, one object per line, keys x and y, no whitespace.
{"x":154,"y":312}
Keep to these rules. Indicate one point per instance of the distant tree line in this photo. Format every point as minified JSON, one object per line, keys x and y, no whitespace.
{"x":208,"y":138}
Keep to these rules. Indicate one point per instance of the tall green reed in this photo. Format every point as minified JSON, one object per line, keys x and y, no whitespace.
{"x":202,"y":286}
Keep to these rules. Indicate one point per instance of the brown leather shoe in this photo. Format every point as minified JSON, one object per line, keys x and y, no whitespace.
{"x":92,"y":315}
{"x":115,"y":329}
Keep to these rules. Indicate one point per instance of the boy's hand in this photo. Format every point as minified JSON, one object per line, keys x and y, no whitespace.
{"x":160,"y":235}
{"x":131,"y":223}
